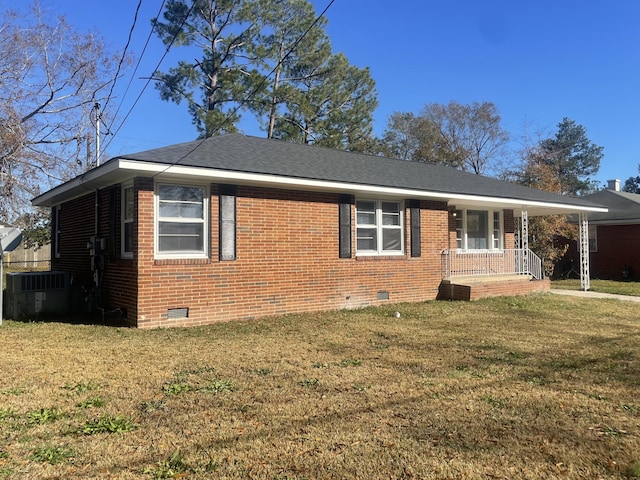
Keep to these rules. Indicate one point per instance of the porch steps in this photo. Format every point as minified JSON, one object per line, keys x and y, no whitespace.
{"x":476,"y":287}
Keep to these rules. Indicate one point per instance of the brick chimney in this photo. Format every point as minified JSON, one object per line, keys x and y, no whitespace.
{"x":613,"y":185}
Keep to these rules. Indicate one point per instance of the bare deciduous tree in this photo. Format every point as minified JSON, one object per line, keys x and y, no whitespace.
{"x":50,"y":78}
{"x":468,"y":137}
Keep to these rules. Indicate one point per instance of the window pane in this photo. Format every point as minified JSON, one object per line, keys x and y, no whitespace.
{"x":459,"y":228}
{"x":391,"y":219}
{"x":179,"y":201}
{"x":128,"y":237}
{"x":180,"y":209}
{"x":366,"y":213}
{"x":180,"y":193}
{"x":366,"y":205}
{"x":366,"y":218}
{"x":367,"y":239}
{"x":390,"y":207}
{"x":496,"y":230}
{"x":477,"y":243}
{"x":128,"y":203}
{"x":390,"y":213}
{"x":180,"y":237}
{"x":392,"y":239}
{"x":477,"y":229}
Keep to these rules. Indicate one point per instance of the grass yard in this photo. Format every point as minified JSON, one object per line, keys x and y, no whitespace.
{"x":602,"y":286}
{"x":520,"y":387}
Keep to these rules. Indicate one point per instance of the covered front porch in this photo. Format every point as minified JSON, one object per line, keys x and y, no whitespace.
{"x":473,"y":273}
{"x":491,"y":263}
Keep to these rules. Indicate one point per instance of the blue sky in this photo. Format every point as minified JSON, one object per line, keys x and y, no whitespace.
{"x":537,"y":60}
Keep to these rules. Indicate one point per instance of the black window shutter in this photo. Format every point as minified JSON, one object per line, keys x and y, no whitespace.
{"x":414,"y":206}
{"x":227,"y":222}
{"x":344,"y":231}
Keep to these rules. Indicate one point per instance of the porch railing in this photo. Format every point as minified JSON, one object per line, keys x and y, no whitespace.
{"x":459,"y":263}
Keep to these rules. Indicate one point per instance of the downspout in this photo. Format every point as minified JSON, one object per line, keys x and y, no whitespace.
{"x":96,"y":240}
{"x":98,"y":253}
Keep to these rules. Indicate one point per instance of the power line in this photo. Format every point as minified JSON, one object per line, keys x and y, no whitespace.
{"x":124,"y":53}
{"x":144,"y":49}
{"x":255,"y":90}
{"x":166,"y":52}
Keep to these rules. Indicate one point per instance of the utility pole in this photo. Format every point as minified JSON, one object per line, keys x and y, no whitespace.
{"x":96,"y":108}
{"x":87,"y":165}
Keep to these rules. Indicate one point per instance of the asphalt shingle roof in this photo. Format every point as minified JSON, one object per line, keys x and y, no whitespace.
{"x":246,"y":154}
{"x":623,"y":207}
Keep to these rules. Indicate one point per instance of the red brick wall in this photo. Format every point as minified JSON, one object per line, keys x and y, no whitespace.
{"x":509,"y":229}
{"x":119,"y":278}
{"x":77,"y":226}
{"x":618,"y":247}
{"x":287,"y":261}
{"x":478,"y":290}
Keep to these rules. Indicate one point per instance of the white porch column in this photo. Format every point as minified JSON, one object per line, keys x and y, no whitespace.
{"x":583,"y":244}
{"x":524,"y":238}
{"x":524,"y":229}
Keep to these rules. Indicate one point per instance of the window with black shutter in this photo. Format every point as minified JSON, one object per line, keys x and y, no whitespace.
{"x":344,"y":214}
{"x":227,"y":219}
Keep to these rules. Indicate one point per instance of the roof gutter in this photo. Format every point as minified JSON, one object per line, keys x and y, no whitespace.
{"x":90,"y":179}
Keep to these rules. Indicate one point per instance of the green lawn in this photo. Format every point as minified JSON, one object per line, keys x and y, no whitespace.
{"x":603,"y":286}
{"x":531,"y":387}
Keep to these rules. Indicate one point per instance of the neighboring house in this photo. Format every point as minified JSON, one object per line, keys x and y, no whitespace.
{"x":615,"y":235}
{"x":237,"y":227}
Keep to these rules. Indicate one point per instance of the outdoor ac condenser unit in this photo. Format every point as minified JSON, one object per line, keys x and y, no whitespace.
{"x":34,"y":294}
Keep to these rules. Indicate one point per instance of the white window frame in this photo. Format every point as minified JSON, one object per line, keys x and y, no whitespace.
{"x":124,"y":220}
{"x":495,"y":236}
{"x":179,"y":254}
{"x":380,"y":227}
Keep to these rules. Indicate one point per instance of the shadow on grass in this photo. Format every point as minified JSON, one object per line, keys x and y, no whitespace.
{"x":107,"y":319}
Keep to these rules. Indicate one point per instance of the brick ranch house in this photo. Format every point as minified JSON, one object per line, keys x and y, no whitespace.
{"x":237,"y":227}
{"x":615,"y":235}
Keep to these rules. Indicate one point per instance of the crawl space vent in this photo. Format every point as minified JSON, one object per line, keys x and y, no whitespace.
{"x":383,"y":295}
{"x":174,"y":313}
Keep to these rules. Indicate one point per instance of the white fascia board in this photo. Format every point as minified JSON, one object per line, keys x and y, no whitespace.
{"x":92,"y":180}
{"x":278,"y":181}
{"x":88,"y":179}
